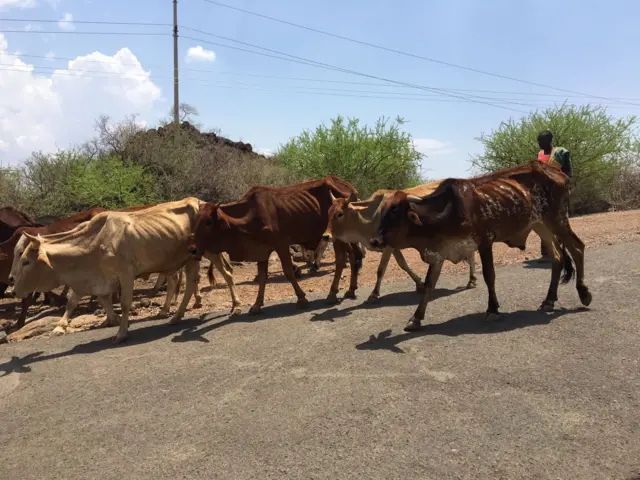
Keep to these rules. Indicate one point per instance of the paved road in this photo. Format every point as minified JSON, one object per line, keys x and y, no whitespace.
{"x":344,"y":392}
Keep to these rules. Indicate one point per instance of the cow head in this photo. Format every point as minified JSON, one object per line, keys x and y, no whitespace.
{"x":406,"y":216}
{"x":31,"y":270}
{"x":344,"y":218}
{"x":208,"y":226}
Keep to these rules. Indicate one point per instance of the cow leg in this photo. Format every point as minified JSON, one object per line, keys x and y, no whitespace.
{"x":3,"y":289}
{"x":430,"y":282}
{"x":159,"y":282}
{"x":324,"y":243}
{"x":340,"y":249}
{"x":126,"y":298}
{"x":472,"y":272}
{"x":489,"y":274}
{"x":192,"y":275}
{"x":211,"y":276}
{"x":65,"y":291}
{"x":575,"y":246}
{"x":72,"y":303}
{"x":382,"y":268}
{"x":263,"y":272}
{"x":402,"y":263}
{"x":226,"y":270}
{"x":287,"y":268}
{"x":25,"y":303}
{"x":355,"y":268}
{"x":172,"y":282}
{"x":112,"y":319}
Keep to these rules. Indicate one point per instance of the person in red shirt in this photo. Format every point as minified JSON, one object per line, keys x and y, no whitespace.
{"x":557,"y":156}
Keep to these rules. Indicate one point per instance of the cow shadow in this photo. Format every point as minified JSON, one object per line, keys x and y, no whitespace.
{"x":279,"y":277}
{"x":149,"y":333}
{"x":470,"y":324}
{"x":396,"y":299}
{"x":537,"y":263}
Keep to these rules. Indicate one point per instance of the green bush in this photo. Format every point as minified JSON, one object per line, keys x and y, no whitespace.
{"x":601,"y":148}
{"x":369,"y":158}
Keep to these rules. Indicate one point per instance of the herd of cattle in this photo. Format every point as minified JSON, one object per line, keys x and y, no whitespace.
{"x":101,"y":252}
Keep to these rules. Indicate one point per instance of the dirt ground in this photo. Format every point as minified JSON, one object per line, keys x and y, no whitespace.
{"x":594,"y":230}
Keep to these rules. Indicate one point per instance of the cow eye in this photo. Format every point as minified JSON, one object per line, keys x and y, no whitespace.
{"x":209,"y":221}
{"x":340,"y":214}
{"x":25,"y":263}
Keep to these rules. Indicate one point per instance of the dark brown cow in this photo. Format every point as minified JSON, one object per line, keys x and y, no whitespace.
{"x":270,"y":219}
{"x":463,"y":215}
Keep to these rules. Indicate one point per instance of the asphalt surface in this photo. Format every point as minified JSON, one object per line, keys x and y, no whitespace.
{"x":343,"y":392}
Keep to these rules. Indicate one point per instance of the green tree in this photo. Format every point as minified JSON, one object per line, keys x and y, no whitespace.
{"x":109,"y":183}
{"x":600,"y":145}
{"x":370,"y":158}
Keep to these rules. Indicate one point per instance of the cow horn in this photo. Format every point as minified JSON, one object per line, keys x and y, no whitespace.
{"x":414,"y":198}
{"x":331,"y":196}
{"x":36,"y":240}
{"x":444,"y":214}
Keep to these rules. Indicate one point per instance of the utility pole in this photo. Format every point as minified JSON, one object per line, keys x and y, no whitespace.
{"x":176,"y":100}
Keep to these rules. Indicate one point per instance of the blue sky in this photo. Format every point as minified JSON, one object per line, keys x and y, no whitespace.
{"x":587,"y":48}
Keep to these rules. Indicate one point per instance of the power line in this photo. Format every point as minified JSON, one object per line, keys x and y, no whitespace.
{"x":75,"y":32}
{"x":297,"y":59}
{"x":88,"y":22}
{"x":274,"y":88}
{"x":400,"y":52}
{"x":302,"y":79}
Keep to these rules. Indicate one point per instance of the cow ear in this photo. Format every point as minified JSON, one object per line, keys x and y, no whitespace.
{"x":413,"y":216}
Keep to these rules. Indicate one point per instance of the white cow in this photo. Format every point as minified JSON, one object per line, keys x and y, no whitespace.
{"x":114,"y":248}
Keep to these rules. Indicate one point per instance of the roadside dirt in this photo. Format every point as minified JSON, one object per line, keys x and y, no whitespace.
{"x":594,"y":230}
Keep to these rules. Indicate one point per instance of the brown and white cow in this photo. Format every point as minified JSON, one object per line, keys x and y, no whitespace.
{"x":112,"y":249}
{"x":359,"y":221}
{"x":268,"y":219}
{"x":463,"y":215}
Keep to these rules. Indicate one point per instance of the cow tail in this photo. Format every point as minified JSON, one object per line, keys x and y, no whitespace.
{"x":567,"y":266}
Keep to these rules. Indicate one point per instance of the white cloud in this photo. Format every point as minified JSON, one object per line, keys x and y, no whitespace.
{"x":66,"y":22}
{"x":267,"y":152}
{"x":199,"y":54}
{"x":432,"y":146}
{"x":7,"y":4}
{"x":56,"y":110}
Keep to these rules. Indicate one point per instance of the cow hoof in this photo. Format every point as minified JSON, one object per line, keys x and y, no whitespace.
{"x":585,"y":296}
{"x":255,"y":310}
{"x":413,"y":325}
{"x":119,"y":339}
{"x":298,"y":272}
{"x":470,"y":285}
{"x":350,"y":294}
{"x":420,"y":287}
{"x":332,"y":298}
{"x":373,"y":298}
{"x":197,"y":305}
{"x":236,"y":310}
{"x":491,"y":316}
{"x":546,"y":307}
{"x":302,"y":303}
{"x":175,"y":319}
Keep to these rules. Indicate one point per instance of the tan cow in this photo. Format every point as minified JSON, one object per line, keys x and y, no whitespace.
{"x":112,"y":248}
{"x":359,"y":221}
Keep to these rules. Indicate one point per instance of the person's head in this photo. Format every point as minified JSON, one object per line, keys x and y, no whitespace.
{"x":545,"y":138}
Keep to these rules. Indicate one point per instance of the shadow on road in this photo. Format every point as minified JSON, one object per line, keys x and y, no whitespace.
{"x":138,"y":336}
{"x":278,"y":277}
{"x":397,"y":299}
{"x":471,"y":324}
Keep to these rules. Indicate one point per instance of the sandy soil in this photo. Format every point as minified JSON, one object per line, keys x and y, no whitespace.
{"x":594,"y":230}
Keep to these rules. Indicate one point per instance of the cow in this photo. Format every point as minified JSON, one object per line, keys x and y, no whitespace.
{"x":268,"y":219}
{"x":359,"y":221}
{"x":111,"y":250}
{"x":464,"y":215}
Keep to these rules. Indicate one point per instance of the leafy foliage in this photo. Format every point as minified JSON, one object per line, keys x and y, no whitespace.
{"x":369,"y":158}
